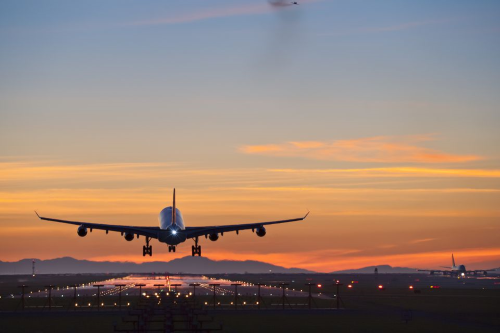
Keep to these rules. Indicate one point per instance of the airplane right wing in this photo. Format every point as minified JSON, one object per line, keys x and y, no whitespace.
{"x":192,"y":232}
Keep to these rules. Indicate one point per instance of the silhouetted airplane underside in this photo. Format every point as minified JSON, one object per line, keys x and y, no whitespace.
{"x":171,"y":230}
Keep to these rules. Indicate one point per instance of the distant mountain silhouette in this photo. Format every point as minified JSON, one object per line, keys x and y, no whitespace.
{"x":381,"y":269}
{"x":188,"y":265}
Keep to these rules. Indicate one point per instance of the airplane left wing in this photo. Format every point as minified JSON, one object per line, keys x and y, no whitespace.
{"x":192,"y":232}
{"x":152,"y":232}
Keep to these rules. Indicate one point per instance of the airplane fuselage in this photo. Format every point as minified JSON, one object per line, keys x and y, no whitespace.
{"x":169,"y":231}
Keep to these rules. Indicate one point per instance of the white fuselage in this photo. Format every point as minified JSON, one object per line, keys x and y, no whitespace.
{"x":169,"y":232}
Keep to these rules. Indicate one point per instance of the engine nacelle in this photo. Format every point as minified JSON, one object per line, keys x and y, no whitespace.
{"x":261,"y":231}
{"x":82,"y":231}
{"x":129,"y":236}
{"x":213,"y":237}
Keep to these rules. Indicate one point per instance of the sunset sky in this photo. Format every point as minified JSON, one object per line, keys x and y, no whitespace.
{"x":380,"y":117}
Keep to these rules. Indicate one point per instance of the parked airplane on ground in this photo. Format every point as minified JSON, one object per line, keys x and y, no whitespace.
{"x":172,"y":230}
{"x":457,"y":270}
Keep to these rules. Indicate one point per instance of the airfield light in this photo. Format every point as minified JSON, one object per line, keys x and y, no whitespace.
{"x":89,"y":304}
{"x":76,"y":304}
{"x":257,"y":303}
{"x":319,"y":285}
{"x":128,"y":304}
{"x":380,"y":287}
{"x":349,"y":286}
{"x":206,"y":303}
{"x":102,"y":304}
{"x":463,"y":274}
{"x":244,"y":303}
{"x":411,"y":287}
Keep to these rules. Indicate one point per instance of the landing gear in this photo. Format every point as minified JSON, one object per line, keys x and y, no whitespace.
{"x":147,"y":249}
{"x":171,"y":248}
{"x":196,"y":249}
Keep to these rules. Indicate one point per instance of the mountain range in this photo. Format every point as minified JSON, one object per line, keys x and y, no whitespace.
{"x":189,"y":265}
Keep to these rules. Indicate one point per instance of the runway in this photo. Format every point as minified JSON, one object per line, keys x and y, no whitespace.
{"x":180,"y":283}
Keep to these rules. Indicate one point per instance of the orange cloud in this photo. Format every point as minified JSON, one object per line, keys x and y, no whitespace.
{"x":380,"y":149}
{"x":398,"y":172}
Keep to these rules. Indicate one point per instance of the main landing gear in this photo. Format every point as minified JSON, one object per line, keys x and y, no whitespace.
{"x":171,"y":248}
{"x":196,"y":249}
{"x":147,"y":249}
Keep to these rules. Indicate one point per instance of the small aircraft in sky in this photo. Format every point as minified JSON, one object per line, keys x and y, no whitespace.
{"x":172,"y":230}
{"x":457,"y":270}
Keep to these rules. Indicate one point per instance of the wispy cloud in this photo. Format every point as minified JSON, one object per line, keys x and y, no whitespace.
{"x":380,"y":149}
{"x":213,"y":13}
{"x":423,"y":240}
{"x":399,"y":172}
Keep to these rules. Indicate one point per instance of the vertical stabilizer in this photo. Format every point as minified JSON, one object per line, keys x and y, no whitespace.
{"x":173,"y":210}
{"x":453,"y":260}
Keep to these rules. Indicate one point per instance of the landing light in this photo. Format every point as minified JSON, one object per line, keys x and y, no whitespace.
{"x":174,"y":232}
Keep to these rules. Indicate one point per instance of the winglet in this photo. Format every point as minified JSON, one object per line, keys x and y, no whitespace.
{"x":305,"y":215}
{"x":37,"y":215}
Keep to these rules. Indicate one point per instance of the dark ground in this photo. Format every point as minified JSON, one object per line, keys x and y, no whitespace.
{"x":459,"y":305}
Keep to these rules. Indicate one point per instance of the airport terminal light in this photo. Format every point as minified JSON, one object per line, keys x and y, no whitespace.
{"x":22,"y":294}
{"x":140,"y":285}
{"x":194,"y":285}
{"x":120,"y":294}
{"x":50,"y":287}
{"x":159,"y":285}
{"x":98,"y":295}
{"x":338,"y":284}
{"x":214,"y":285}
{"x":236,"y":294}
{"x":259,"y":299}
{"x":175,"y":285}
{"x":283,"y":298}
{"x":309,"y":285}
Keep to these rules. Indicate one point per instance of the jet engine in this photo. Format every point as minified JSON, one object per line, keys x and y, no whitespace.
{"x":213,"y":237}
{"x":261,"y":231}
{"x":129,"y":236}
{"x":82,"y":231}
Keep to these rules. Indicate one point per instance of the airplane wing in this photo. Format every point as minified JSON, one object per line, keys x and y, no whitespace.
{"x":481,"y":270}
{"x":432,"y":270}
{"x":192,"y":232}
{"x":152,"y":232}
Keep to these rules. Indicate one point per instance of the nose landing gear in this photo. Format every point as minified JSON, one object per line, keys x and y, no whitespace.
{"x":147,"y":249}
{"x":196,"y":249}
{"x":171,"y":248}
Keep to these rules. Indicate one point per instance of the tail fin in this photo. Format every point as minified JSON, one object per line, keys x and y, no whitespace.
{"x":453,"y":260}
{"x":173,"y":210}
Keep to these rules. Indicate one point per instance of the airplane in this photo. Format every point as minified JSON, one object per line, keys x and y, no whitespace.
{"x":172,"y":230}
{"x":457,"y":270}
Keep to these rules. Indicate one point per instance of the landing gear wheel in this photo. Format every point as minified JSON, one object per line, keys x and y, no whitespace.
{"x":196,"y":249}
{"x":147,"y":249}
{"x":171,"y":248}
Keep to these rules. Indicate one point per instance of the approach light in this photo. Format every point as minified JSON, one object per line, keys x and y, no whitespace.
{"x":319,"y":285}
{"x":380,"y":287}
{"x":411,"y":287}
{"x":349,"y":286}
